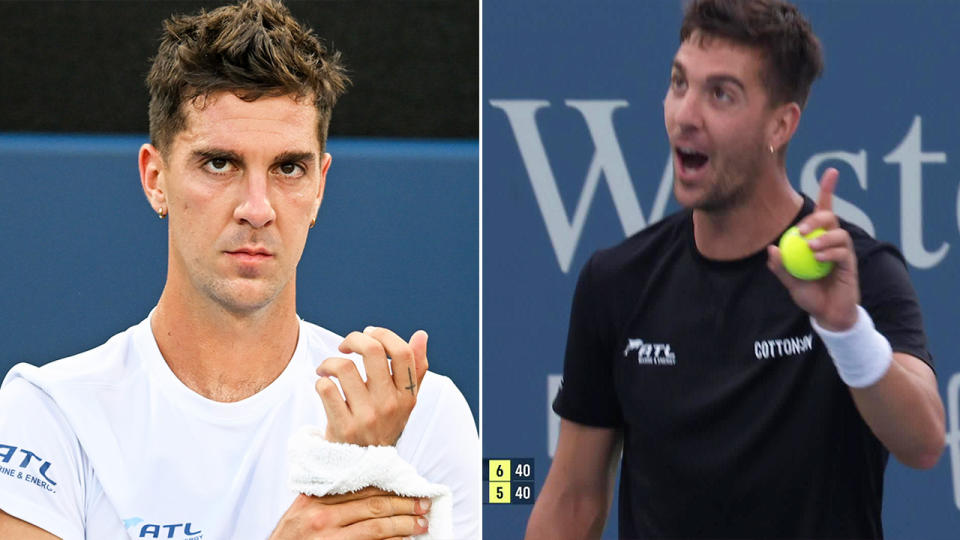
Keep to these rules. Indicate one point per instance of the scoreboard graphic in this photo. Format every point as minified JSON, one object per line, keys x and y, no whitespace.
{"x":508,"y":481}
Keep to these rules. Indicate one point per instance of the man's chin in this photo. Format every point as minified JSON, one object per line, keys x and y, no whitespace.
{"x":704,"y":200}
{"x":688,"y":197}
{"x":245,"y":296}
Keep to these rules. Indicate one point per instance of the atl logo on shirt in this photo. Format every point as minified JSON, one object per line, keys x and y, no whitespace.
{"x":156,"y":530}
{"x":31,"y":469}
{"x":651,"y":354}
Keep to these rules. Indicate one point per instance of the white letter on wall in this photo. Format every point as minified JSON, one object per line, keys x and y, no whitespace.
{"x":911,"y":157}
{"x":607,"y":160}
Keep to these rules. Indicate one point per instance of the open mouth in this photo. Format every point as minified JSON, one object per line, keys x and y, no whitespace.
{"x":691,"y":159}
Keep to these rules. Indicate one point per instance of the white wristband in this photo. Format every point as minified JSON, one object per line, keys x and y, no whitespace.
{"x":862,"y":355}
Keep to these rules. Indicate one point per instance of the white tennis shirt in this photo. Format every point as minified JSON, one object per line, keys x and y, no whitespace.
{"x":110,"y":444}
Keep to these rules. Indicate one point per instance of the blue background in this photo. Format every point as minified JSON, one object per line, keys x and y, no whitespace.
{"x":887,"y":62}
{"x":395,"y":245}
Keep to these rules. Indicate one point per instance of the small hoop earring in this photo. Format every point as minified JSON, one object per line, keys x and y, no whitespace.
{"x":313,"y":222}
{"x":771,"y":149}
{"x":161,"y":213}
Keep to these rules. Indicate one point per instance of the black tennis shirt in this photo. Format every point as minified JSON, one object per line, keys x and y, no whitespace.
{"x":735,"y":422}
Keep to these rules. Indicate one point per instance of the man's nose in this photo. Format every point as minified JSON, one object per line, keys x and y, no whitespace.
{"x":255,"y":207}
{"x":687,"y":113}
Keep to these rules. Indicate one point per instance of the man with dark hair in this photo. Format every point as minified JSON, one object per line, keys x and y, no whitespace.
{"x":178,"y":427}
{"x":748,"y":403}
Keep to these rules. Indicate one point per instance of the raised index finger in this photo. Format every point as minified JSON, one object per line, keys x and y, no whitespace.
{"x":828,"y":182}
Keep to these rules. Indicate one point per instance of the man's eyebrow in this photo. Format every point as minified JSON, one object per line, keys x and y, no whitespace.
{"x":289,"y":157}
{"x":722,"y":79}
{"x":714,"y":79}
{"x":206,"y":154}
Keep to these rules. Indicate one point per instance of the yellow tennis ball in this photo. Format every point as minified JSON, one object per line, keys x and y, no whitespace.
{"x":798,"y":258}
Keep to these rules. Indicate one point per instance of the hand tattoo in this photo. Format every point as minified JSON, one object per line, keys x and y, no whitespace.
{"x":412,"y":386}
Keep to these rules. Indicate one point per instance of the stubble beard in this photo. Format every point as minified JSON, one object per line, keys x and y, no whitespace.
{"x":735,"y":182}
{"x":241,"y":294}
{"x":241,"y":302}
{"x":249,"y":289}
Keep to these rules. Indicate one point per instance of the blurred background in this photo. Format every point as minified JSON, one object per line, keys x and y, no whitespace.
{"x":572,"y":113}
{"x":396,"y":241}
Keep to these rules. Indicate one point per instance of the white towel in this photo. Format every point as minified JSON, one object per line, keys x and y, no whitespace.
{"x":319,"y":467}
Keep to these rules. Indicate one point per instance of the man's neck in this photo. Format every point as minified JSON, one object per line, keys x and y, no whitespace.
{"x":746,"y":228}
{"x":221,"y":355}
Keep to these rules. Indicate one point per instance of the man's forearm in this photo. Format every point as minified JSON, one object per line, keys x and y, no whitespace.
{"x":575,"y":498}
{"x":11,"y":527}
{"x":568,"y":513}
{"x":905,"y":412}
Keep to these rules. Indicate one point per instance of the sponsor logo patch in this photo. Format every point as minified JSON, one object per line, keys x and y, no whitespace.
{"x":651,"y":354}
{"x":22,"y":464}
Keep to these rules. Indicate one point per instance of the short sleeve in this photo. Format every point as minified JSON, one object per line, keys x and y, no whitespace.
{"x":587,"y":394}
{"x":41,"y":474}
{"x":889,"y":297}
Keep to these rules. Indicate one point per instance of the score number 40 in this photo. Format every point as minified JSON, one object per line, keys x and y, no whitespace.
{"x":522,"y":470}
{"x":522,"y":493}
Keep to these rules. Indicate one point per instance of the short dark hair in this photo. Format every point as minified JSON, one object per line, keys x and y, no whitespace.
{"x":793,"y":54}
{"x":252,"y":49}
